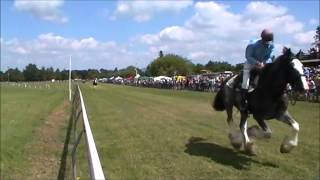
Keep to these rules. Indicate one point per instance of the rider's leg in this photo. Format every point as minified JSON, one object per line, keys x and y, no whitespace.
{"x":245,"y":85}
{"x":255,"y":82}
{"x":246,"y":76}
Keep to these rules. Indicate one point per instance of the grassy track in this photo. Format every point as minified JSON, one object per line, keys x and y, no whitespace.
{"x":163,"y":134}
{"x":23,"y":111}
{"x":149,"y":134}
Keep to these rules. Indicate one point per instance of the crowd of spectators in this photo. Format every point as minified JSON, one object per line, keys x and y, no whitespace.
{"x":209,"y":82}
{"x":202,"y":82}
{"x":313,"y":77}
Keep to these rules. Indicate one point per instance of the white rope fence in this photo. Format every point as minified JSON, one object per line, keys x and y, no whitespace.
{"x":78,"y":111}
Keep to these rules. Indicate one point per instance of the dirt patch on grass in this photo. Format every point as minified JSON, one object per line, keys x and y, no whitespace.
{"x":44,"y":159}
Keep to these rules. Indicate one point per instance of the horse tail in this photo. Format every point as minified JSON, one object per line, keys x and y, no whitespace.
{"x":218,"y":103}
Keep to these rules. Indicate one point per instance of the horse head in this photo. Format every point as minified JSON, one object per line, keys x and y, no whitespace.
{"x":295,"y":75}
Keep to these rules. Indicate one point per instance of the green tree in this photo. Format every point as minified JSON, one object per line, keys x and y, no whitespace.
{"x":92,"y":74}
{"x":57,"y":74}
{"x":218,"y":66}
{"x":43,"y":74}
{"x":64,"y":74}
{"x":12,"y":75}
{"x":238,"y":67}
{"x":15,"y":75}
{"x":75,"y":75}
{"x":5,"y":76}
{"x":1,"y":76}
{"x":31,"y":73}
{"x":170,"y":65}
{"x":197,"y":68}
{"x":127,"y":72}
{"x":316,"y":43}
{"x":312,"y":53}
{"x":105,"y":73}
{"x":50,"y":73}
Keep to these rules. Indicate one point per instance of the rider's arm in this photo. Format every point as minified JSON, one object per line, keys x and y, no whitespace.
{"x":249,"y":55}
{"x":270,"y":57}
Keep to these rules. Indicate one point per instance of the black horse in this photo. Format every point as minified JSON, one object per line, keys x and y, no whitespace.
{"x":267,"y":101}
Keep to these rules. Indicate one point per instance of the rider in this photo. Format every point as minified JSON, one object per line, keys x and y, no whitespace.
{"x":258,"y":52}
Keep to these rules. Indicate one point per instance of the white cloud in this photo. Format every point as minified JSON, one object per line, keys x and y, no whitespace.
{"x":199,"y":55}
{"x":172,"y":33}
{"x":305,"y":38}
{"x":214,"y":16}
{"x":176,"y":33}
{"x":20,"y":50}
{"x":147,"y":39}
{"x":262,"y":10}
{"x":53,"y":50}
{"x":47,"y":10}
{"x":215,"y":32}
{"x":142,"y":11}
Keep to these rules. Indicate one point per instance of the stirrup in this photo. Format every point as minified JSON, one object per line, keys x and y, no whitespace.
{"x":251,"y":88}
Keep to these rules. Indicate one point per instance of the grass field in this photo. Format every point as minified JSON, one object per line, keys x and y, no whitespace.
{"x":26,"y":132}
{"x":145,"y":133}
{"x":163,"y":134}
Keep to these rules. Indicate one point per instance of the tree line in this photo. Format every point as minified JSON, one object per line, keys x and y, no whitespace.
{"x":167,"y":65}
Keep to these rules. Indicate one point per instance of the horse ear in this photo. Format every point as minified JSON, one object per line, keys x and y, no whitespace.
{"x":288,"y":54}
{"x":286,"y":51}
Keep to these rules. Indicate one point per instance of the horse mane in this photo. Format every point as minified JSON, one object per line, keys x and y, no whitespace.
{"x":273,"y":76}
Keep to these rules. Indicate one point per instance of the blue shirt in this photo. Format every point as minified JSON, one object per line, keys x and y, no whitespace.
{"x":257,"y":51}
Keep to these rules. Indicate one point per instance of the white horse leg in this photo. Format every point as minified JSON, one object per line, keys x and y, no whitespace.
{"x":290,"y":141}
{"x":244,"y":130}
{"x":248,"y":145}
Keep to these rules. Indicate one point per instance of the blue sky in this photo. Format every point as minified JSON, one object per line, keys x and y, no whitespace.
{"x":86,"y":18}
{"x":108,"y":34}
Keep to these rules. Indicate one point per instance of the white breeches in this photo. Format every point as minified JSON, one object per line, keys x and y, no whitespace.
{"x":246,"y":75}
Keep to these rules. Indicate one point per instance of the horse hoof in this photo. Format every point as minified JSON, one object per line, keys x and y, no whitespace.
{"x":285,"y":148}
{"x":267,"y":135}
{"x":250,"y":149}
{"x":236,"y":139}
{"x":287,"y":145}
{"x":254,"y":132}
{"x":236,"y":146}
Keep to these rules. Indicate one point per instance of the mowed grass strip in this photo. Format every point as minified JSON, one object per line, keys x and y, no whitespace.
{"x":146,"y":133}
{"x":23,"y":112}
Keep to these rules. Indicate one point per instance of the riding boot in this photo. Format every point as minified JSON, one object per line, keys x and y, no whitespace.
{"x":243,"y":101}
